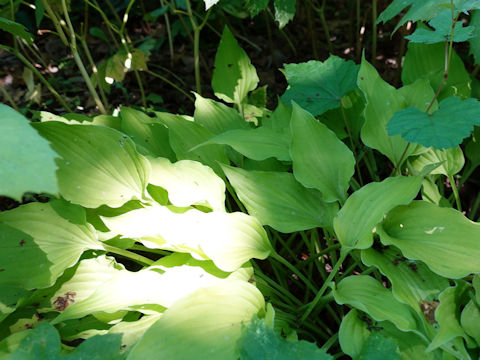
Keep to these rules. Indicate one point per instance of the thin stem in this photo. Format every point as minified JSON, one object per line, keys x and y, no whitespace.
{"x":318,"y":297}
{"x":128,"y":254}
{"x":140,"y":86}
{"x":8,"y":98}
{"x":294,"y":270}
{"x":78,"y":61}
{"x":56,"y":23}
{"x":397,"y":168}
{"x":455,"y":193}
{"x":169,"y":34}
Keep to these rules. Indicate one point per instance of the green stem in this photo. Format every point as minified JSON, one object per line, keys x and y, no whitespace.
{"x":56,"y":23}
{"x":140,"y":86}
{"x":8,"y":98}
{"x":318,"y":297}
{"x":294,"y":270}
{"x":128,"y":254}
{"x":455,"y":192}
{"x":169,"y":34}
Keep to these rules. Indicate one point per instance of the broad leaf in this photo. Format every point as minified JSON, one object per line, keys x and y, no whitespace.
{"x":257,"y":144}
{"x":412,"y":282}
{"x":352,"y":334}
{"x":379,"y":347}
{"x":209,"y":3}
{"x":234,"y":75}
{"x":475,"y":40}
{"x":260,"y":341}
{"x":26,"y":160}
{"x":367,"y":294}
{"x":318,"y":87}
{"x":442,"y":24}
{"x":428,"y":61}
{"x":442,"y":238}
{"x":284,"y":11}
{"x":443,"y":129}
{"x":229,"y":239}
{"x":470,"y":319}
{"x":365,"y":208}
{"x":99,"y":165}
{"x":217,"y":117}
{"x":320,"y":160}
{"x":278,"y":200}
{"x":51,"y":245}
{"x":185,"y":135}
{"x":204,"y":325}
{"x":188,"y":182}
{"x":10,"y":296}
{"x":451,"y":160}
{"x":16,"y":29}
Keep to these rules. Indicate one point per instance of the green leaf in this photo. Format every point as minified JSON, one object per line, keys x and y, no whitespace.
{"x":234,"y":75}
{"x":379,"y":347}
{"x":217,"y":117}
{"x":318,"y":87}
{"x":150,"y":137}
{"x":71,"y":212}
{"x":365,"y":208}
{"x":16,"y":29}
{"x":412,"y":282}
{"x":99,"y":165}
{"x":451,"y":160}
{"x":367,"y":294}
{"x":185,"y":135}
{"x":278,"y":200}
{"x":257,"y":144}
{"x":210,"y":3}
{"x":320,"y":160}
{"x":447,"y":315}
{"x":42,"y":243}
{"x":442,"y":24}
{"x":188,"y":182}
{"x":26,"y":159}
{"x":442,"y":238}
{"x":428,"y":61}
{"x":443,"y":129}
{"x":204,"y":325}
{"x":382,"y":102}
{"x":472,"y":150}
{"x":260,"y":341}
{"x":284,"y":11}
{"x":43,"y":343}
{"x":115,"y":67}
{"x":201,"y":234}
{"x":475,"y":40}
{"x":470,"y":319}
{"x":352,"y":334}
{"x":10,"y":296}
{"x":254,"y":7}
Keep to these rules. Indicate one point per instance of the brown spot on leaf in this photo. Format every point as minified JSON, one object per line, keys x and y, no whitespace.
{"x":428,"y":309}
{"x":62,"y":302}
{"x":22,"y":242}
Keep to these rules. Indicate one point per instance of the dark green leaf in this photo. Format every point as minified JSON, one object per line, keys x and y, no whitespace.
{"x":16,"y":29}
{"x":379,"y":347}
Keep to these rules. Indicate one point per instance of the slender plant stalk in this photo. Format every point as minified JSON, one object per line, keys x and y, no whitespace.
{"x":294,"y":270}
{"x":455,"y":193}
{"x":374,"y":32}
{"x":78,"y":61}
{"x":169,"y":34}
{"x":128,"y":254}
{"x":8,"y":98}
{"x":56,"y":23}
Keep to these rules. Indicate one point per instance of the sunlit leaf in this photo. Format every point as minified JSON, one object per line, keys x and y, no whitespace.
{"x":284,"y":11}
{"x":204,"y":325}
{"x":320,"y":160}
{"x":188,"y":182}
{"x":319,"y":86}
{"x":365,"y":208}
{"x":42,"y":243}
{"x":442,"y":238}
{"x":26,"y":159}
{"x":278,"y":200}
{"x":99,"y":165}
{"x":451,"y":160}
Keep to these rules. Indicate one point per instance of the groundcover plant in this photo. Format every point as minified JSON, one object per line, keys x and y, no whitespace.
{"x":388,"y":259}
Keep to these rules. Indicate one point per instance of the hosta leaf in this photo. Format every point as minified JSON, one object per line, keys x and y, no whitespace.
{"x":475,"y":40}
{"x":451,"y":160}
{"x":412,"y":282}
{"x":259,"y":341}
{"x":257,"y":144}
{"x":367,"y":294}
{"x":229,"y":239}
{"x":320,"y":160}
{"x":217,"y":117}
{"x":379,"y":347}
{"x":445,"y":128}
{"x":382,"y":102}
{"x":365,"y":208}
{"x":184,"y":135}
{"x":26,"y":159}
{"x":234,"y":76}
{"x":442,"y":24}
{"x":150,"y":137}
{"x":204,"y":325}
{"x":352,"y":334}
{"x":43,"y":343}
{"x":99,"y":285}
{"x":448,"y":318}
{"x":16,"y":29}
{"x":10,"y":296}
{"x":279,"y":120}
{"x":51,"y":245}
{"x":470,"y":319}
{"x":284,"y":11}
{"x":318,"y":87}
{"x":428,"y":61}
{"x":278,"y":200}
{"x":99,"y":165}
{"x":188,"y":182}
{"x":442,"y":238}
